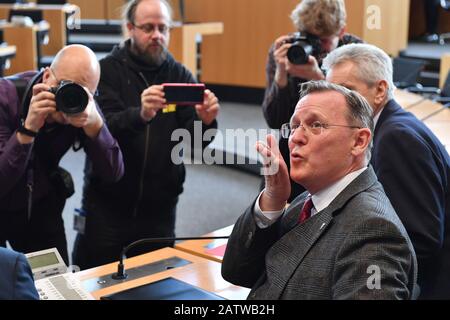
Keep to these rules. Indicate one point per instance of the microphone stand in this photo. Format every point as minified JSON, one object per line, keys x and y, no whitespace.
{"x":121,"y":274}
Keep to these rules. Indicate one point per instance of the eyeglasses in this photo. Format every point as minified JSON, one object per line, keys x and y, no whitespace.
{"x":315,"y":128}
{"x":150,"y":28}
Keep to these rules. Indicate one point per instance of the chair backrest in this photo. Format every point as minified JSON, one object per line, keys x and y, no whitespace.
{"x":407,"y":71}
{"x":51,"y":1}
{"x":12,"y":1}
{"x":35,"y":15}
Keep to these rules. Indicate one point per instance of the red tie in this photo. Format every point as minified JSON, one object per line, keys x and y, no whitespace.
{"x":306,"y":211}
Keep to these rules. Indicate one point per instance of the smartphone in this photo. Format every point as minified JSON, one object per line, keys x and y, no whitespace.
{"x":184,"y":93}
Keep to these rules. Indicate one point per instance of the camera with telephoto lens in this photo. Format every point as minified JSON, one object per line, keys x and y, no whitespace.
{"x":303,"y":45}
{"x":70,"y":97}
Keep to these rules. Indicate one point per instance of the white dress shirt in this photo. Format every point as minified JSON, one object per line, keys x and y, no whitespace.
{"x":321,"y":200}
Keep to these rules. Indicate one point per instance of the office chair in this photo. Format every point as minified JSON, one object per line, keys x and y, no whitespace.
{"x":445,"y":4}
{"x":407,"y":73}
{"x":12,"y":1}
{"x":60,"y":2}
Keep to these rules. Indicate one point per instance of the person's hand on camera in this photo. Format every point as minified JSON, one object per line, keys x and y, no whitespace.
{"x":152,"y":100}
{"x":42,"y":104}
{"x":308,"y":71}
{"x":276,"y":174}
{"x":90,"y":119}
{"x":208,"y":111}
{"x":280,"y":56}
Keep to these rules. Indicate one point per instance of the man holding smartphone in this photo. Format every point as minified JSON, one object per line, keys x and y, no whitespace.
{"x":132,"y":97}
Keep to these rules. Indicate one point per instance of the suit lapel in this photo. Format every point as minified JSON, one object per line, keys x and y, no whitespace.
{"x":288,"y":253}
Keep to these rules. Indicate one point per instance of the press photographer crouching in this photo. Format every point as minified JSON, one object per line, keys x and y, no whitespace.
{"x":296,"y":58}
{"x":42,"y":115}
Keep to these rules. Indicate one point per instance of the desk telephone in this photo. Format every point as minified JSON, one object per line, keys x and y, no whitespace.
{"x":52,"y":280}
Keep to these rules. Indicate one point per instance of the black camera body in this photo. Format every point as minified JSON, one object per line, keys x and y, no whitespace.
{"x":70,"y":97}
{"x":303,"y":45}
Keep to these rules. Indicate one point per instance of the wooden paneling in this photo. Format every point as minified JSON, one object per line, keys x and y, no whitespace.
{"x":445,"y":68}
{"x":24,"y":39}
{"x":114,"y":9}
{"x":91,"y":9}
{"x":238,"y":56}
{"x":392,"y":37}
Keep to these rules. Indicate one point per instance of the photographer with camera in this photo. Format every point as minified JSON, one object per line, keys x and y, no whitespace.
{"x":41,"y":116}
{"x":142,"y":116}
{"x":296,"y":58}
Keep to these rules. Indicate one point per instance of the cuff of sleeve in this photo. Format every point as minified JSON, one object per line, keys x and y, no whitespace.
{"x":18,"y":151}
{"x":136,"y":119}
{"x":265,"y":219}
{"x":104,"y":138}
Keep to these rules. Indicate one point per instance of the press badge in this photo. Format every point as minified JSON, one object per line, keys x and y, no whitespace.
{"x":170,"y":108}
{"x":79,"y":220}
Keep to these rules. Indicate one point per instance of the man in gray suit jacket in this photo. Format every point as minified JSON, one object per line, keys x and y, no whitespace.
{"x":341,"y":239}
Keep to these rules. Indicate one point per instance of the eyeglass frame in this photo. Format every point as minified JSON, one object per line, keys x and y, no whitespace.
{"x":149,"y":32}
{"x":308,"y":128}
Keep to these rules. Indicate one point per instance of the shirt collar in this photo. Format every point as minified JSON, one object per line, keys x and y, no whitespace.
{"x":323,"y":198}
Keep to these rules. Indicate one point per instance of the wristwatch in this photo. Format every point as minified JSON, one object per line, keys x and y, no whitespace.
{"x":26,"y":131}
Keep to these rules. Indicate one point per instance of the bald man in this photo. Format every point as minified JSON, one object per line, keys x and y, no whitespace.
{"x":34,"y":136}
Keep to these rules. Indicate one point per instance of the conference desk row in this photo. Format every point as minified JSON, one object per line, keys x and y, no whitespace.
{"x":194,"y":270}
{"x":433,"y":114}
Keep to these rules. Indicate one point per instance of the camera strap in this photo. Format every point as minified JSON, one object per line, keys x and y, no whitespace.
{"x":27,"y":94}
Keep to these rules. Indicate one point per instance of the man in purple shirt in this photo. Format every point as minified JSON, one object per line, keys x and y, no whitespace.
{"x":34,"y":136}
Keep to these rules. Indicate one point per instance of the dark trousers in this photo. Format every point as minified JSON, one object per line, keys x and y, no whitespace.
{"x":106,"y":234}
{"x":432,"y":15}
{"x":44,"y":230}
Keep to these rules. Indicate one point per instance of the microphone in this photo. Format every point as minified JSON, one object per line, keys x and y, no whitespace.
{"x":121,"y":274}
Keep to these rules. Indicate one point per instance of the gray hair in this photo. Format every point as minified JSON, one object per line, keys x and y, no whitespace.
{"x":373,"y":64}
{"x":321,"y":17}
{"x":360,"y":113}
{"x":129,"y":10}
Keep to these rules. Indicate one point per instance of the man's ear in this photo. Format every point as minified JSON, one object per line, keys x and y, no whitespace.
{"x":381,"y":92}
{"x":46,"y":75}
{"x":362,"y":141}
{"x":342,"y":32}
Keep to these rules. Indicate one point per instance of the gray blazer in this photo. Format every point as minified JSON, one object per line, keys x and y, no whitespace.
{"x":336,"y":254}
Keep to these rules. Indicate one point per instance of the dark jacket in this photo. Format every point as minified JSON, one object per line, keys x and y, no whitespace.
{"x":151,"y":181}
{"x":16,"y":279}
{"x":279,"y":103}
{"x":20,"y":164}
{"x":414,"y":169}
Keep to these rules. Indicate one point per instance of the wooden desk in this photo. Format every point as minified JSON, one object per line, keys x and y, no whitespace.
{"x":209,"y":249}
{"x":416,"y":104}
{"x":203,"y":273}
{"x":440,"y":125}
{"x":445,"y":69}
{"x":183,"y":41}
{"x":6,"y":53}
{"x":25,"y":40}
{"x":55,"y":15}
